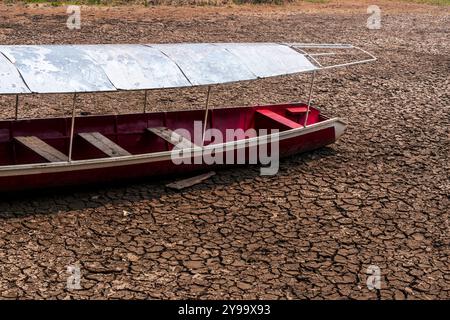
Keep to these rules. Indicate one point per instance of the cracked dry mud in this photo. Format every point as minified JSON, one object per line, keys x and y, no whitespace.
{"x":379,"y":196}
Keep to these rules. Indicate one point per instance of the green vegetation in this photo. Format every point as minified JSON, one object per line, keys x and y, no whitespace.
{"x":279,"y":2}
{"x":192,"y":2}
{"x":436,"y":2}
{"x":60,"y":3}
{"x":75,"y":2}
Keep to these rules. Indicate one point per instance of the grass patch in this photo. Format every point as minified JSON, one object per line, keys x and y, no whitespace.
{"x":75,"y":2}
{"x":279,"y":2}
{"x":158,"y":2}
{"x":194,"y":2}
{"x":435,"y":2}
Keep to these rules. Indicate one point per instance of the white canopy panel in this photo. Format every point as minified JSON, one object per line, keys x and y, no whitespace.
{"x":205,"y":63}
{"x":93,"y":68}
{"x":10,"y":80}
{"x":132,"y":67}
{"x":269,"y":59}
{"x":57,"y":69}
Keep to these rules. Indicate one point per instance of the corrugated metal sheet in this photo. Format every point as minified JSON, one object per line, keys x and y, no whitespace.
{"x":93,"y":68}
{"x":134,"y":67}
{"x":269,"y":59}
{"x":57,"y":69}
{"x":205,"y":63}
{"x":10,"y":80}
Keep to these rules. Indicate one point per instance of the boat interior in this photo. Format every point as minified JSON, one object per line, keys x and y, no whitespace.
{"x":27,"y":141}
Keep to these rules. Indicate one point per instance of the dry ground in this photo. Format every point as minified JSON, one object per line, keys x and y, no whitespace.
{"x":379,"y":196}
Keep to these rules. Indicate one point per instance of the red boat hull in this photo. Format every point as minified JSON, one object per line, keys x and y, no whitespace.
{"x":29,"y":171}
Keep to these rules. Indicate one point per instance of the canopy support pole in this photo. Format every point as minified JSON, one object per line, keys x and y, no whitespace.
{"x":206,"y":114}
{"x":145,"y":101}
{"x":72,"y":126}
{"x":310,"y":97}
{"x":17,"y":107}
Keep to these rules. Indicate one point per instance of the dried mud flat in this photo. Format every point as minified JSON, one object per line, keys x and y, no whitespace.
{"x":379,"y":196}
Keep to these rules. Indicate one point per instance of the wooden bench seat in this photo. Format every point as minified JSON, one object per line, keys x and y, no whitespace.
{"x":269,"y":114}
{"x":104,"y":144}
{"x":297,"y":110}
{"x":42,"y":148}
{"x":172,"y":137}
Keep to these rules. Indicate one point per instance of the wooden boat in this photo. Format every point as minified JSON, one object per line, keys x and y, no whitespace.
{"x":74,"y":150}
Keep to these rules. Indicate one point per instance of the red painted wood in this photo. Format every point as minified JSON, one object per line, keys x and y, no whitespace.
{"x":279,"y":118}
{"x":297,"y":110}
{"x":129,"y":131}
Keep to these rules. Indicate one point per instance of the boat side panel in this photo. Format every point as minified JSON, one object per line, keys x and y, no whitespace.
{"x":128,"y":131}
{"x":288,"y":147}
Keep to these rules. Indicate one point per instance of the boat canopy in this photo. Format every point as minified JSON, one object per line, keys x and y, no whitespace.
{"x":113,"y":67}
